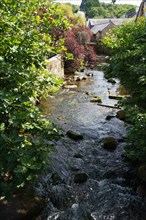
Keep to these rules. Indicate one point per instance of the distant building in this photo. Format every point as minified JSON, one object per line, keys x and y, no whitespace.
{"x":92,"y":22}
{"x":100,"y":30}
{"x":130,"y":14}
{"x":100,"y":27}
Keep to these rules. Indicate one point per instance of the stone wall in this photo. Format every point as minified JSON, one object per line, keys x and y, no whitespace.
{"x":55,"y":65}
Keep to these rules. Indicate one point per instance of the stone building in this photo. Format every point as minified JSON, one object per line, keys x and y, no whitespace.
{"x":100,"y":30}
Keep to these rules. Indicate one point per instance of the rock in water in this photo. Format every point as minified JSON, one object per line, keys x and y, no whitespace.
{"x":83,"y":78}
{"x":80,"y":178}
{"x":89,"y":74}
{"x":109,"y":117}
{"x":77,"y":155}
{"x":96,"y":99}
{"x":109,"y":143}
{"x":110,"y":80}
{"x":70,"y":86}
{"x":74,"y":135}
{"x":77,"y":78}
{"x":89,"y":93}
{"x":56,"y":178}
{"x":121,"y":115}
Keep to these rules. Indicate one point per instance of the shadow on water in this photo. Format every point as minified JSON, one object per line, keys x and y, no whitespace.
{"x":86,"y":181}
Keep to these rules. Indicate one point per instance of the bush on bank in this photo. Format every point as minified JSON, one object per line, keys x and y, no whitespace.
{"x":77,"y":42}
{"x":128,"y":63}
{"x":26,"y":41}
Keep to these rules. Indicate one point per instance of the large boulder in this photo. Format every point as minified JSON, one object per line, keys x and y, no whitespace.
{"x":96,"y":99}
{"x":109,"y":143}
{"x":23,"y":206}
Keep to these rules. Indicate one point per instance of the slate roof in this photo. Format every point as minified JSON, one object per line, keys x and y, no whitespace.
{"x":116,"y":21}
{"x":99,"y":27}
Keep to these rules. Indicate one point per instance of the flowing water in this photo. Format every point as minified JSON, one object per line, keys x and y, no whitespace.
{"x":86,"y":181}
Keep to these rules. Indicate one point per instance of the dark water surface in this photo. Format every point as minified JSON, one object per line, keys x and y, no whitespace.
{"x":102,"y":193}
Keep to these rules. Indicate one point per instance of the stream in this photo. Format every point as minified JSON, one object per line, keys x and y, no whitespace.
{"x":86,"y":181}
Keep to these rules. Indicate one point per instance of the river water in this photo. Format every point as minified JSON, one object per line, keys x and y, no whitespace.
{"x":86,"y":181}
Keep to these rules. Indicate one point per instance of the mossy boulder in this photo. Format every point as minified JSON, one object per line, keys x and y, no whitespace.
{"x":96,"y":99}
{"x":121,"y":115}
{"x":116,"y":97}
{"x":109,"y":143}
{"x":74,"y":135}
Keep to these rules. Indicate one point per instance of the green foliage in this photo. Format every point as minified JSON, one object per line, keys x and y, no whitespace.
{"x":128,"y":45}
{"x":115,"y":10}
{"x":86,"y":5}
{"x":76,"y":42}
{"x":75,"y":8}
{"x":94,"y":9}
{"x":72,"y":13}
{"x":26,"y":41}
{"x":67,"y":8}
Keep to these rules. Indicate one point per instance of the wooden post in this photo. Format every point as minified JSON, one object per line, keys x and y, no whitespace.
{"x":141,"y":11}
{"x":144,"y":8}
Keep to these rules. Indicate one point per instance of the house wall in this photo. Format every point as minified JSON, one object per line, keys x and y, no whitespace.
{"x":55,"y":66}
{"x":101,"y":34}
{"x":98,"y":35}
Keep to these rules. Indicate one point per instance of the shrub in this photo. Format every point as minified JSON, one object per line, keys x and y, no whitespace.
{"x":76,"y":42}
{"x":25,"y":44}
{"x":127,"y":63}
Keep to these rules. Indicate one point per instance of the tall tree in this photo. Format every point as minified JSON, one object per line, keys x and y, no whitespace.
{"x":86,"y":5}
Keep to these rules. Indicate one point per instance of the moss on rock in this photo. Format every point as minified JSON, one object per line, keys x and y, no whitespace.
{"x":109,"y":143}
